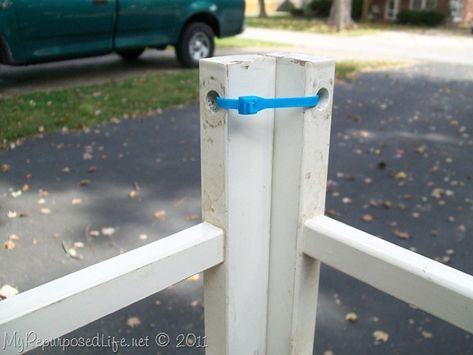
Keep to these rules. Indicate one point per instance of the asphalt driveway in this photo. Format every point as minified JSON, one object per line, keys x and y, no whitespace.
{"x":401,"y":154}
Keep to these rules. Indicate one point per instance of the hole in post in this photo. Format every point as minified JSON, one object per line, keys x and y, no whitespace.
{"x":324,"y":96}
{"x":211,"y":100}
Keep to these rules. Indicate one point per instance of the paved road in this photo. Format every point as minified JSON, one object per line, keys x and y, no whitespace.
{"x":18,"y":80}
{"x":416,"y":121}
{"x":389,"y":45}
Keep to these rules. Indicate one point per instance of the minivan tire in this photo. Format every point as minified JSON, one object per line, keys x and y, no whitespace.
{"x":196,"y":42}
{"x":131,"y":54}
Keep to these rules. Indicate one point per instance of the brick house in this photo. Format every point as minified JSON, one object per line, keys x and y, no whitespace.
{"x":458,"y":11}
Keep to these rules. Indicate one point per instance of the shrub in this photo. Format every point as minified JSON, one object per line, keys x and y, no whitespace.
{"x":321,"y":8}
{"x":430,"y":18}
{"x":357,"y":9}
{"x":295,"y":11}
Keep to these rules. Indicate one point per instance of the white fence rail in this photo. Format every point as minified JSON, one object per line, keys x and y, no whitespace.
{"x":436,"y":288}
{"x":264,"y":233}
{"x":51,"y":310}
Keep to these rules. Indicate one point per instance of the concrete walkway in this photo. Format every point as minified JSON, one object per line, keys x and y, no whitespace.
{"x":387,"y":45}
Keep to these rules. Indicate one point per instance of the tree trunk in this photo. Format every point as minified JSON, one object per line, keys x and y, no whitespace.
{"x":340,"y":15}
{"x":366,"y":9}
{"x":262,"y":9}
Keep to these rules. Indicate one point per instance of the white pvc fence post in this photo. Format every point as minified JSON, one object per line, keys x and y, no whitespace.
{"x":263,"y":176}
{"x":236,"y":196}
{"x":300,"y":161}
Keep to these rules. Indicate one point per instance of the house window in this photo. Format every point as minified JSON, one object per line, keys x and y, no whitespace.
{"x":456,"y":10}
{"x":423,"y":4}
{"x":391,"y":10}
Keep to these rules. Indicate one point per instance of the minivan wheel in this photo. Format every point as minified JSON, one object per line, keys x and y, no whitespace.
{"x":196,"y":42}
{"x":131,"y":54}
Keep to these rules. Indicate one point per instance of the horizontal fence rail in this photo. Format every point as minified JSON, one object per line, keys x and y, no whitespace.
{"x":436,"y":288}
{"x":61,"y":306}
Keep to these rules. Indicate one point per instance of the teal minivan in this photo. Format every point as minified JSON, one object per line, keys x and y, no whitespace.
{"x":34,"y":31}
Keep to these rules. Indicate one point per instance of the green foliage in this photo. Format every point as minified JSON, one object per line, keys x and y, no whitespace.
{"x":308,"y":11}
{"x":430,"y":18}
{"x":357,"y":9}
{"x":321,"y":8}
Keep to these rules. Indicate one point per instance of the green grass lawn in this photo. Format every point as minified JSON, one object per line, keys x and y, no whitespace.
{"x":85,"y":106}
{"x":317,"y":25}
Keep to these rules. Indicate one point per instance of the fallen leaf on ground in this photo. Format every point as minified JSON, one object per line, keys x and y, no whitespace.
{"x":133,"y":194}
{"x":76,"y":201}
{"x":421,"y":149}
{"x":443,"y":259}
{"x":331,"y":212}
{"x":351,"y":317}
{"x":92,"y":169}
{"x":14,"y":237}
{"x":94,"y":233}
{"x":9,"y":244}
{"x":133,"y":322}
{"x":401,"y":235}
{"x":426,"y":334}
{"x":25,"y":188}
{"x":45,"y":210}
{"x":380,"y":336}
{"x":71,"y":251}
{"x":43,"y":193}
{"x":160,"y":215}
{"x":437,"y":193}
{"x":5,"y":168}
{"x":143,"y":237}
{"x":108,"y":231}
{"x":194,"y":303}
{"x":84,"y":182}
{"x":7,"y":291}
{"x":401,"y":175}
{"x":87,"y":156}
{"x":78,"y":245}
{"x":367,"y":218}
{"x":387,"y":204}
{"x":12,"y":214}
{"x":16,"y":194}
{"x":347,"y":200}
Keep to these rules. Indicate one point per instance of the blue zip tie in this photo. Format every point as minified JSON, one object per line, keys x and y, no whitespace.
{"x":250,"y":105}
